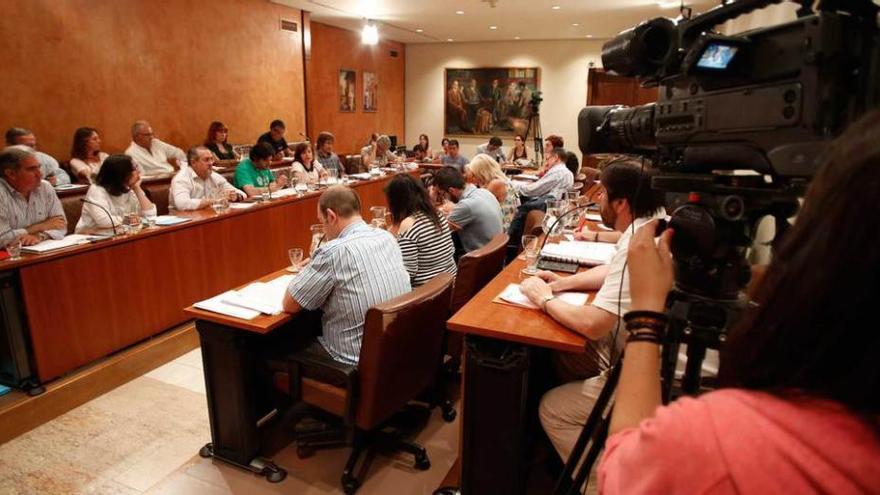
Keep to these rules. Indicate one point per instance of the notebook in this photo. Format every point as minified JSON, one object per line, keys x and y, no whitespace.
{"x":265,"y":297}
{"x":580,"y":252}
{"x":54,"y":244}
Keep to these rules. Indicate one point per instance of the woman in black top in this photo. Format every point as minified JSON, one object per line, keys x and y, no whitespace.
{"x":216,"y":142}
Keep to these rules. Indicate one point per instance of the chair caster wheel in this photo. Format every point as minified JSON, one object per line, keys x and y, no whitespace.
{"x":206,"y":451}
{"x":276,"y":475}
{"x":350,"y":484}
{"x":304,"y":452}
{"x":422,"y":462}
{"x":449,"y":414}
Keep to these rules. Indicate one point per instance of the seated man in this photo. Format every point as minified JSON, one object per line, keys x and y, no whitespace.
{"x":564,"y":410}
{"x":355,"y":268}
{"x":554,"y":183}
{"x":329,"y":160}
{"x":29,"y":208}
{"x":275,"y":138}
{"x":151,"y":155}
{"x":551,"y":142}
{"x":253,"y":175}
{"x":49,"y":167}
{"x":493,"y":148}
{"x":196,"y":186}
{"x":474,"y":214}
{"x":452,"y":159}
{"x":378,"y":153}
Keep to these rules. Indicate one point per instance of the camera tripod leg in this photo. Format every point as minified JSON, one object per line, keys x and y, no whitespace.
{"x":594,"y":433}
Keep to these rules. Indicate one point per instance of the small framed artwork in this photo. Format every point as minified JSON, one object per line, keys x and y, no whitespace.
{"x":371,"y":91}
{"x":346,"y":83}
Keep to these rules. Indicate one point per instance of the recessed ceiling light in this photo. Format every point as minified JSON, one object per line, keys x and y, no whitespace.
{"x":589,"y":36}
{"x":516,"y":37}
{"x":493,"y":28}
{"x":575,"y":24}
{"x":420,"y":30}
{"x":459,"y":12}
{"x":448,"y":39}
{"x":556,"y":7}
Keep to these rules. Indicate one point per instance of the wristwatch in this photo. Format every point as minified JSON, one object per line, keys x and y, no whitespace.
{"x":42,"y":235}
{"x":545,"y":300}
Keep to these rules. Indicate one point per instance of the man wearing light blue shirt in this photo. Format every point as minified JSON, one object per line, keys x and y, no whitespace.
{"x":52,"y":172}
{"x":355,"y":268}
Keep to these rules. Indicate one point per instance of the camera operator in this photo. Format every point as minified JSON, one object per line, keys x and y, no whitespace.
{"x":799,"y":408}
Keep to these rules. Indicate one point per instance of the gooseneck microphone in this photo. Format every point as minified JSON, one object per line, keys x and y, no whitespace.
{"x":112,"y":224}
{"x":560,"y":217}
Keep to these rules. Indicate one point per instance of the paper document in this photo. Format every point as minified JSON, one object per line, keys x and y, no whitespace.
{"x":362,"y":176}
{"x":53,"y":244}
{"x":67,"y":187}
{"x":513,"y":295}
{"x":265,"y":297}
{"x":241,"y":206}
{"x":593,"y":217}
{"x":216,"y":305}
{"x":166,"y":220}
{"x":580,"y":252}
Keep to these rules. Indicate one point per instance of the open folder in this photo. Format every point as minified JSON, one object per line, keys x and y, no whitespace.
{"x":250,"y":301}
{"x":512,"y":295}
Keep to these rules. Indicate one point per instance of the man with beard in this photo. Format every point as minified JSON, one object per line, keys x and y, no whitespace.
{"x":625,"y":205}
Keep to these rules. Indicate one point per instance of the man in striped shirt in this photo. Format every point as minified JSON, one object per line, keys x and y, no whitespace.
{"x":357,"y":267}
{"x":29,"y":208}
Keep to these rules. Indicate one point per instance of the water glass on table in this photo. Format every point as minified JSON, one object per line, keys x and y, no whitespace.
{"x":133,"y":221}
{"x":13,"y":247}
{"x":531,"y":254}
{"x":219,"y":203}
{"x":296,"y":257}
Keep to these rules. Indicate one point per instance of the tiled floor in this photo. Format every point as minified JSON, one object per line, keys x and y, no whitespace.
{"x":143,"y":437}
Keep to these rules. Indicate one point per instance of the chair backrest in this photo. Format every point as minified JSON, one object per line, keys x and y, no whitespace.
{"x":72,"y":210}
{"x":158,"y":193}
{"x":401,"y":350}
{"x":477,"y":268}
{"x":533,"y":223}
{"x":353,"y":164}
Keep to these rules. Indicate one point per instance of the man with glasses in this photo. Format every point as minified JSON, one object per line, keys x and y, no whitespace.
{"x":196,"y":186}
{"x":52,"y":172}
{"x":152,"y":156}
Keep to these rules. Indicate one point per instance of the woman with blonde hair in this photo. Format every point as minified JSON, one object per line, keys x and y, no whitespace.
{"x":485,"y":172}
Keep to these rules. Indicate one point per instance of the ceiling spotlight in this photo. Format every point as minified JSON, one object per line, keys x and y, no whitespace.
{"x":556,"y":7}
{"x":449,"y":39}
{"x":516,"y":37}
{"x":575,"y":24}
{"x":420,"y":30}
{"x":493,"y":28}
{"x":668,"y":4}
{"x":459,"y":12}
{"x":589,"y":36}
{"x":370,"y":34}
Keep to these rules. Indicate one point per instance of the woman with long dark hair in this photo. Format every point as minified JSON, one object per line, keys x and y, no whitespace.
{"x":86,"y":156}
{"x":305,"y":167}
{"x":519,"y":151}
{"x":422,"y":231}
{"x":799,"y":407}
{"x":426,"y":144}
{"x":216,"y":141}
{"x":116,"y":193}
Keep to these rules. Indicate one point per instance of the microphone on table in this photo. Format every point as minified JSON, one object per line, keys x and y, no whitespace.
{"x":560,"y":217}
{"x":112,"y":223}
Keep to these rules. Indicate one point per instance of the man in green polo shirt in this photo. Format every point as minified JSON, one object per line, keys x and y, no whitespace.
{"x":253,"y":175}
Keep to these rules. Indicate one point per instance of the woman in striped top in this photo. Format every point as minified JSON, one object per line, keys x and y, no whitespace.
{"x":483,"y":171}
{"x":422,"y":231}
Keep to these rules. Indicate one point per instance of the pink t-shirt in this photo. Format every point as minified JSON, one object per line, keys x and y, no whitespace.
{"x":736,"y":441}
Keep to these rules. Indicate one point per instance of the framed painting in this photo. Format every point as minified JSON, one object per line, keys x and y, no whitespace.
{"x":371,"y":91}
{"x":347,"y":81}
{"x":495,"y":101}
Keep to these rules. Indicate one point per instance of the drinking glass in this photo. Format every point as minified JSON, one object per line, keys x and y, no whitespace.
{"x":378,"y":212}
{"x":133,"y":221}
{"x":378,"y":223}
{"x":217,"y":204}
{"x":265,"y":195}
{"x":530,"y":251}
{"x":296,"y":256}
{"x":13,"y":247}
{"x":317,"y":238}
{"x":332,"y":176}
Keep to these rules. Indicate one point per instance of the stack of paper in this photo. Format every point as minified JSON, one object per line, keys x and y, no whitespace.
{"x":513,"y":295}
{"x":265,"y":297}
{"x":166,"y":220}
{"x":52,"y":244}
{"x":216,"y":305}
{"x":580,"y":252}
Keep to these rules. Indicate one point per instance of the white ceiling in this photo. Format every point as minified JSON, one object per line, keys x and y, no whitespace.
{"x":399,"y":20}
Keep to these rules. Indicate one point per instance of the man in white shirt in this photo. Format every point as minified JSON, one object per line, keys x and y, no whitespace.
{"x":151,"y":155}
{"x":52,"y":172}
{"x":195,"y":186}
{"x":564,"y":410}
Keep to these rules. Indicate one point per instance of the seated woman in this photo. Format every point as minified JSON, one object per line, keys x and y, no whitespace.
{"x":86,"y":156}
{"x":422,"y":231}
{"x":798,"y":410}
{"x":426,"y":145}
{"x":216,"y":142}
{"x":518,"y":152}
{"x":253,"y":175}
{"x":438,"y":156}
{"x":485,"y":172}
{"x":116,"y":193}
{"x":305,"y":168}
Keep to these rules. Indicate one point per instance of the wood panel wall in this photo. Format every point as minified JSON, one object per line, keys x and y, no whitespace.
{"x":180,"y":64}
{"x":333,"y":49}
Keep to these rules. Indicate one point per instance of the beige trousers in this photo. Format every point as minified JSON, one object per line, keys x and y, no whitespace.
{"x":564,"y":411}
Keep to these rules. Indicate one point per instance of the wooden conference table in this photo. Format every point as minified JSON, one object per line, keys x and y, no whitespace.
{"x":76,"y":305}
{"x":500,"y":341}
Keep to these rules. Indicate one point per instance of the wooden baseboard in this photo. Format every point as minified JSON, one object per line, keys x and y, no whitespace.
{"x":20,"y":413}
